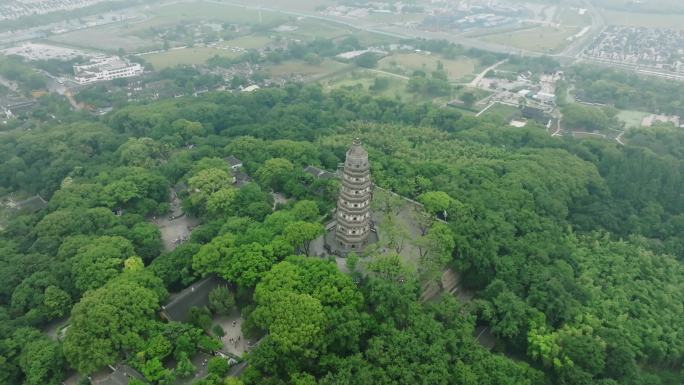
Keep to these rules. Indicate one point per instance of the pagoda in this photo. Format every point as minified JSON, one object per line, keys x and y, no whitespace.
{"x":353,"y":205}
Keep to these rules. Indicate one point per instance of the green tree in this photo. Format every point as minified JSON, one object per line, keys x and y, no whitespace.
{"x":220,"y":203}
{"x":468,"y":99}
{"x":367,"y":60}
{"x":42,"y":362}
{"x":205,"y":184}
{"x":437,"y":202}
{"x":221,"y":300}
{"x":275,"y":173}
{"x":218,"y":366}
{"x":300,"y":234}
{"x":293,"y":320}
{"x":185,"y":368}
{"x":305,"y":210}
{"x":56,"y":301}
{"x":154,"y":371}
{"x":351,"y":261}
{"x":200,"y":317}
{"x":110,"y":320}
{"x":99,"y":261}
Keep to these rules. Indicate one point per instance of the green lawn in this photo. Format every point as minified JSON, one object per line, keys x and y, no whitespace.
{"x":171,"y":14}
{"x":632,"y":118}
{"x":406,"y":63}
{"x":185,"y":56}
{"x":248,"y":42}
{"x":540,"y":39}
{"x":327,"y":67}
{"x":502,"y":112}
{"x":364,"y":79}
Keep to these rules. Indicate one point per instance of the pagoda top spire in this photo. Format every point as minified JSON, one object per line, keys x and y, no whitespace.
{"x":356,"y":152}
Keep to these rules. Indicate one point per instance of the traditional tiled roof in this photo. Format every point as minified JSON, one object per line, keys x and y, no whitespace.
{"x":197,"y":295}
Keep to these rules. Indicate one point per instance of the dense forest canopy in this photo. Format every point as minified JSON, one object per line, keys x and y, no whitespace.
{"x":573,"y":247}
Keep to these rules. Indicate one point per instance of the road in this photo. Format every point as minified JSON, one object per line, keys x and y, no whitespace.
{"x":390,"y":74}
{"x":482,"y":74}
{"x":598,"y":23}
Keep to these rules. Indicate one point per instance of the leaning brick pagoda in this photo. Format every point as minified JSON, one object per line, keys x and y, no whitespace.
{"x":353,"y":206}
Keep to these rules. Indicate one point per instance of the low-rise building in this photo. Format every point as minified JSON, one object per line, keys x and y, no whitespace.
{"x":233,"y":162}
{"x":197,"y":295}
{"x":106,"y":68}
{"x":121,"y":374}
{"x":319,"y":173}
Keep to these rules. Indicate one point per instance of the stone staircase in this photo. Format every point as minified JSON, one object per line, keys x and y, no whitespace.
{"x":449,"y":284}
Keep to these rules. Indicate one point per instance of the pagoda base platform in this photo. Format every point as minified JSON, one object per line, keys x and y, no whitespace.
{"x":332,"y":247}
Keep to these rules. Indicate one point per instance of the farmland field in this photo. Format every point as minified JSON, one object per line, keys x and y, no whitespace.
{"x":185,"y":56}
{"x":308,"y":28}
{"x":213,"y":11}
{"x":299,"y":5}
{"x":108,"y":38}
{"x":540,"y":39}
{"x":248,"y":42}
{"x":327,"y":67}
{"x":406,"y":63}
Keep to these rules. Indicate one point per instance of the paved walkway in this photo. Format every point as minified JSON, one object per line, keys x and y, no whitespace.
{"x":234,"y":342}
{"x":176,"y":226}
{"x":482,"y":74}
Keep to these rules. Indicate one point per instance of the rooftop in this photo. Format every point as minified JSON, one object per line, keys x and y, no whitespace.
{"x":119,"y":375}
{"x":197,"y":295}
{"x":232,"y":161}
{"x":319,"y":173}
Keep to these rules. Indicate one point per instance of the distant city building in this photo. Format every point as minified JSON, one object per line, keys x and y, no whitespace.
{"x":106,"y":68}
{"x":353,"y":206}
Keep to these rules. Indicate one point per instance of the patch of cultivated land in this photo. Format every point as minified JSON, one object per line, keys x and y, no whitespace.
{"x":213,"y":11}
{"x":185,"y":56}
{"x":294,"y":5}
{"x":307,"y":28}
{"x":106,"y":38}
{"x":406,"y":63}
{"x":541,"y":39}
{"x":648,"y":20}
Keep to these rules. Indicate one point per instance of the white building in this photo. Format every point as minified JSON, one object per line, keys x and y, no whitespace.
{"x":106,"y":68}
